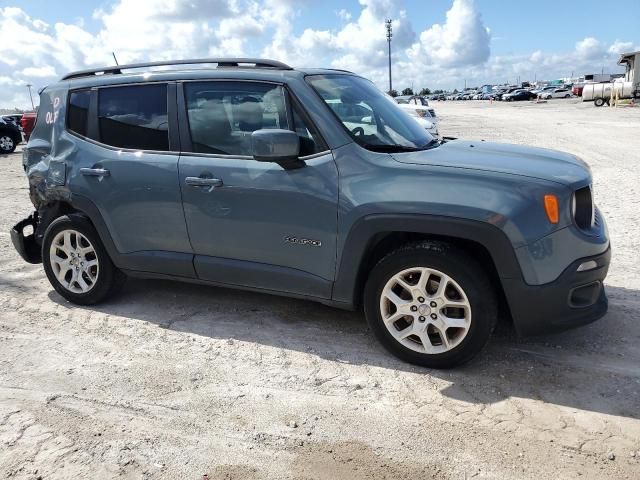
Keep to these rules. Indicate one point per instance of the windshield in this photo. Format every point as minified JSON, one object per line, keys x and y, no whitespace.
{"x":373,"y":119}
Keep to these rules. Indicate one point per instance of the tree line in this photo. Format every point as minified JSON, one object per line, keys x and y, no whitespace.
{"x":409,"y":91}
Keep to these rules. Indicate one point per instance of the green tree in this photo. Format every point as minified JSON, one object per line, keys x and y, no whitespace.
{"x":393,"y":93}
{"x":425,"y":91}
{"x":407,"y":91}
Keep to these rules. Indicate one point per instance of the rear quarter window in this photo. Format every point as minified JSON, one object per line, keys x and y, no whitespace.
{"x":78,"y":112}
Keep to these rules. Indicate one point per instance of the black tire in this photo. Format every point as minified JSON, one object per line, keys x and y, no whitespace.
{"x":599,"y":102}
{"x":457,"y":264}
{"x":567,"y":96}
{"x":109,"y":278}
{"x":8,"y":143}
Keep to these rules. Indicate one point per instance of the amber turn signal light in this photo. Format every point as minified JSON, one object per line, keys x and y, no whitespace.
{"x":551,"y":206}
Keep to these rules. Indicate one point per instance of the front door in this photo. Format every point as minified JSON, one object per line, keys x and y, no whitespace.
{"x":251,"y":223}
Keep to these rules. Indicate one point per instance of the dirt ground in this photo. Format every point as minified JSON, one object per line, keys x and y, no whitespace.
{"x":176,"y":381}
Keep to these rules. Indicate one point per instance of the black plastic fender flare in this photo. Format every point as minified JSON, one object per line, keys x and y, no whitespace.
{"x":359,"y":241}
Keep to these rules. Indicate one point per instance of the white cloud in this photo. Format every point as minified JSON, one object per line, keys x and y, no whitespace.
{"x":438,"y":56}
{"x":589,"y":48}
{"x":344,"y":15}
{"x":462,"y":40}
{"x":359,"y":45}
{"x":619,"y":47}
{"x":39,"y":72}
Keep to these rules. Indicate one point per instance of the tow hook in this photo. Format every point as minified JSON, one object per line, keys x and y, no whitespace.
{"x":26,"y":245}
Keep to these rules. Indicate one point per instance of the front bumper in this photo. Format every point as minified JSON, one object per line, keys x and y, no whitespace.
{"x":573,"y":299}
{"x":26,"y":245}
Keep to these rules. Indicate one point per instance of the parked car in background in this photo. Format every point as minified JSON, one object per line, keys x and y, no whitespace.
{"x":519,"y":95}
{"x":557,"y":93}
{"x":548,"y":88}
{"x":10,"y":136}
{"x":417,"y":107}
{"x":27,"y":122}
{"x":13,"y":118}
{"x":577,"y":89}
{"x":499,"y":94}
{"x":411,"y":100}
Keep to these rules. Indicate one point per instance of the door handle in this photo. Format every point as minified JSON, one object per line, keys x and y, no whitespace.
{"x":95,"y":172}
{"x":203,"y":182}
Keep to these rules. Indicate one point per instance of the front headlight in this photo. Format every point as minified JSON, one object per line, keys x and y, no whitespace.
{"x":583,"y":208}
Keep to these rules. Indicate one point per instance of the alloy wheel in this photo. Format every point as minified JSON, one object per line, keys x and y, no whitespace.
{"x":74,"y":261}
{"x":6,"y":143}
{"x":425,"y":310}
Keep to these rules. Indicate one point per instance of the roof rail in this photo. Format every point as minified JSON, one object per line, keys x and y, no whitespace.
{"x":221,"y":62}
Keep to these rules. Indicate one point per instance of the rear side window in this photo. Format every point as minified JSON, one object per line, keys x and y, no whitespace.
{"x":78,"y":111}
{"x":134,"y":117}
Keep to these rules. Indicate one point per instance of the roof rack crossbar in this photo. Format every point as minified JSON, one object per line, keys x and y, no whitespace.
{"x":221,"y":62}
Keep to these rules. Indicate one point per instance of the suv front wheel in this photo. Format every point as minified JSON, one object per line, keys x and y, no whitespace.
{"x":431,"y":304}
{"x":76,"y":262}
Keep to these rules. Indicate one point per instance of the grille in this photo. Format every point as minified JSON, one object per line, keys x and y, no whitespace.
{"x":583,"y":211}
{"x":432,"y":112}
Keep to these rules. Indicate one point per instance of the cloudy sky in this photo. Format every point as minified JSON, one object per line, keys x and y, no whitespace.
{"x":436,"y":43}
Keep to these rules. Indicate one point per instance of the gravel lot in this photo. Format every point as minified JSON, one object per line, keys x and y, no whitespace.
{"x":180,"y":381}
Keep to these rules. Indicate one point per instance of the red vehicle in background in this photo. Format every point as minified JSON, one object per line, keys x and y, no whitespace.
{"x":577,"y":89}
{"x":27,"y":122}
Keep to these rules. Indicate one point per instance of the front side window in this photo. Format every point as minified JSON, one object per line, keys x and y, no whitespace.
{"x":134,"y":117}
{"x":223,"y":115}
{"x":372,"y":118}
{"x":310,"y":141}
{"x":78,"y":111}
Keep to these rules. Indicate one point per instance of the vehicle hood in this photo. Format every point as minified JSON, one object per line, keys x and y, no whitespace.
{"x":520,"y":160}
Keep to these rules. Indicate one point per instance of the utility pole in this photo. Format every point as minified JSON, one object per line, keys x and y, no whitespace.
{"x":389,"y":35}
{"x":31,"y":96}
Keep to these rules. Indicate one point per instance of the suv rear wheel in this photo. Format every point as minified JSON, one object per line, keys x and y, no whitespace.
{"x":431,"y":304}
{"x":77,"y":263}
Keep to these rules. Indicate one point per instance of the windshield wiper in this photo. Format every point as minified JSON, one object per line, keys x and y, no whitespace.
{"x":399,"y":148}
{"x":389,"y":148}
{"x":433,"y":143}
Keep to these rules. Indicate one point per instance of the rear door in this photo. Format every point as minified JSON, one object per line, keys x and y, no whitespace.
{"x":127,"y":166}
{"x":257,"y":224}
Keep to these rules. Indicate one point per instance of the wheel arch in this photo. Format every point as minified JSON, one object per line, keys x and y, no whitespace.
{"x":374,"y":236}
{"x":80,"y":206}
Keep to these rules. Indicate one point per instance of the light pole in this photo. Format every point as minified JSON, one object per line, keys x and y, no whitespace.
{"x":389,"y":35}
{"x":30,"y":96}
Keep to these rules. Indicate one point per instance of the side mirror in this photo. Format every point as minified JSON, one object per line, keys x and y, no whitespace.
{"x":278,"y":146}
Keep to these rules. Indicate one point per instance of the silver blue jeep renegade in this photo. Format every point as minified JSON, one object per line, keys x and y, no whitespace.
{"x":311,"y":184}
